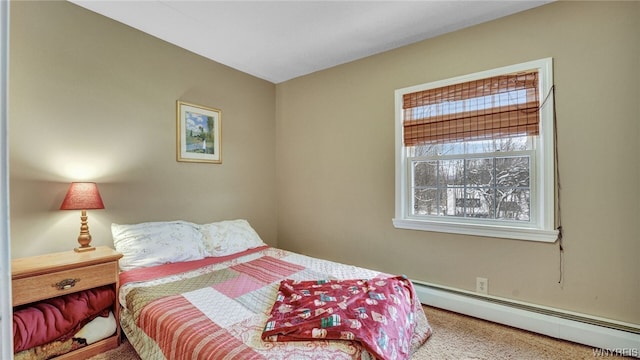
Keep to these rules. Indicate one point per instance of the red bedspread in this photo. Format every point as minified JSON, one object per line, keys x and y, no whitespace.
{"x":376,"y":312}
{"x":58,"y":318}
{"x":158,"y":271}
{"x":219,"y":311}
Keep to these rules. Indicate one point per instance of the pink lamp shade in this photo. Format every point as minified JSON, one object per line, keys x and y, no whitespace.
{"x":82,"y":196}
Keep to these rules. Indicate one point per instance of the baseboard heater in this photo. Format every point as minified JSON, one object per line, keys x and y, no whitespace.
{"x":608,"y":337}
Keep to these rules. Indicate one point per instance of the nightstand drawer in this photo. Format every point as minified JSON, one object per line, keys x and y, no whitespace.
{"x":59,"y":283}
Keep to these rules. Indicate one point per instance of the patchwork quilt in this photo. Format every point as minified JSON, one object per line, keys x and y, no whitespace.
{"x":217,"y":308}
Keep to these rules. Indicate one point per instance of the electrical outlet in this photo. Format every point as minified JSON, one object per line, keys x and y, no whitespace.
{"x":482,"y":285}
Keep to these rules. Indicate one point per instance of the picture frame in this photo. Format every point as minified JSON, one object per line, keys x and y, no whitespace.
{"x":198,"y":133}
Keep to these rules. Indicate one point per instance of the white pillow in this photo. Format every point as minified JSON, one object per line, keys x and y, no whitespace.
{"x":98,"y":329}
{"x":229,"y":237}
{"x":156,"y":243}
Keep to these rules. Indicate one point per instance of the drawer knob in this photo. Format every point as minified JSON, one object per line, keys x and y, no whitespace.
{"x":66,"y":284}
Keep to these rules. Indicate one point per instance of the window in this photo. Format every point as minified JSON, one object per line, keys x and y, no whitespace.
{"x":475,"y":154}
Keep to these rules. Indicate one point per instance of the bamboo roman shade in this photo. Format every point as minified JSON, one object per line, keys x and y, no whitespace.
{"x":490,"y":108}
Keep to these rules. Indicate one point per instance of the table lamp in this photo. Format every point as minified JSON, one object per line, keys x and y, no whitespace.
{"x":83,"y":196}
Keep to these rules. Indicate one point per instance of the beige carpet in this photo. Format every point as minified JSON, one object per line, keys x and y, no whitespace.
{"x":459,"y":337}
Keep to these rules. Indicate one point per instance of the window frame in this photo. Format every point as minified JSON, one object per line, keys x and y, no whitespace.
{"x":542,"y":169}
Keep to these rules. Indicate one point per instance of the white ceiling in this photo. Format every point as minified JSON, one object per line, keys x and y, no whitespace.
{"x":281,"y":40}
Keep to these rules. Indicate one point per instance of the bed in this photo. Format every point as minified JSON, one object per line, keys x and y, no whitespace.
{"x":216,"y":291}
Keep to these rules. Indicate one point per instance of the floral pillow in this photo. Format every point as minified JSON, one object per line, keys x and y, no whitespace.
{"x":229,"y":237}
{"x":155,"y":243}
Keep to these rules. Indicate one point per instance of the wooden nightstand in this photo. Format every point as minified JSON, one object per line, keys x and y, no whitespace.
{"x":47,"y":276}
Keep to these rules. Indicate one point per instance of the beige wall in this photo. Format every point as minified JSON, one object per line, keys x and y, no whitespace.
{"x":92,"y":99}
{"x":335,"y":155}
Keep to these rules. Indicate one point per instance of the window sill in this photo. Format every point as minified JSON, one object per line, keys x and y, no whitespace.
{"x":496,"y":231}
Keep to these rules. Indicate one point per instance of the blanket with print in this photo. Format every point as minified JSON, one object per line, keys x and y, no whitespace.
{"x":375,"y":312}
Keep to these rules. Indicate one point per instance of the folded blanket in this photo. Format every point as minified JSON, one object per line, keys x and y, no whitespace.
{"x":97,"y":329}
{"x":379,"y":313}
{"x":48,"y":350}
{"x":58,"y":318}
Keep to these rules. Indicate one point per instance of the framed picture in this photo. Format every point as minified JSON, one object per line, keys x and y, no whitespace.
{"x":198,"y":133}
